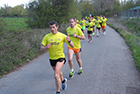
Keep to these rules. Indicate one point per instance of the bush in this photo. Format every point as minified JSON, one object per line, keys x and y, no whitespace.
{"x":2,"y":26}
{"x":20,"y":46}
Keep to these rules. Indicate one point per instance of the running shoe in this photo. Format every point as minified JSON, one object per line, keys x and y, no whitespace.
{"x":97,"y":35}
{"x":71,"y":75}
{"x":93,"y":33}
{"x":57,"y":93}
{"x":89,"y":41}
{"x":64,"y":85}
{"x":80,"y":71}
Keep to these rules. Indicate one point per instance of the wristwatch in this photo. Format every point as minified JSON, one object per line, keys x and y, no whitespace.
{"x":69,"y":41}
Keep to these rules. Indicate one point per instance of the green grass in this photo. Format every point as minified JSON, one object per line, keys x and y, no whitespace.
{"x":133,"y":41}
{"x":132,"y":25}
{"x":15,"y":23}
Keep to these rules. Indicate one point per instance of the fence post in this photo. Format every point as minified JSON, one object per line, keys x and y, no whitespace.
{"x":132,"y":15}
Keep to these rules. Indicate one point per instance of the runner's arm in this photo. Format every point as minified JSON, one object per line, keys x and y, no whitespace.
{"x":81,"y":37}
{"x":69,"y":41}
{"x":43,"y":48}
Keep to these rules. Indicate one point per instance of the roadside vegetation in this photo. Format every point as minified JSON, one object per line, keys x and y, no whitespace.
{"x":19,"y":44}
{"x":131,"y":35}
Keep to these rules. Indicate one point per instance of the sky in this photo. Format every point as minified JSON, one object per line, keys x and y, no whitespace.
{"x":13,"y":3}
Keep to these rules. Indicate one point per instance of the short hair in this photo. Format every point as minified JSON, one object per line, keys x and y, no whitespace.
{"x":53,"y":22}
{"x":73,"y":19}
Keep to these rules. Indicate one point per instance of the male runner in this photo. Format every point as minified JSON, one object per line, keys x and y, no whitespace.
{"x":98,"y":26}
{"x":75,"y":34}
{"x":104,"y":25}
{"x":93,"y":20}
{"x":90,"y":25}
{"x":83,"y":22}
{"x":101,"y":18}
{"x":53,"y":42}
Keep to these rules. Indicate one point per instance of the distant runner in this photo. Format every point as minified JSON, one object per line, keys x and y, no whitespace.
{"x":83,"y":22}
{"x":104,"y":25}
{"x":90,"y":25}
{"x":98,"y":26}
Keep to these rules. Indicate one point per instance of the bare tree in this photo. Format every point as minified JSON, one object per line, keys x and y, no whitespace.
{"x":101,"y":6}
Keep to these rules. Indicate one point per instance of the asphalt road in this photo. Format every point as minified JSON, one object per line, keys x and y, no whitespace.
{"x":108,"y":68}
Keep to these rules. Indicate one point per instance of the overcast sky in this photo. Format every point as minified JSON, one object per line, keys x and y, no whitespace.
{"x":13,"y":3}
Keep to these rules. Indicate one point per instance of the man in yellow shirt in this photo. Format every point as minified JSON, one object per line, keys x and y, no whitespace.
{"x":53,"y":42}
{"x":93,"y":20}
{"x":83,"y":22}
{"x":104,"y":24}
{"x":78,"y":25}
{"x":98,"y":26}
{"x":101,"y":18}
{"x":75,"y":34}
{"x":90,"y":25}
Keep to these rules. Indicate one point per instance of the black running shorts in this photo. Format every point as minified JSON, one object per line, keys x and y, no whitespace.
{"x":89,"y":32}
{"x":53,"y":62}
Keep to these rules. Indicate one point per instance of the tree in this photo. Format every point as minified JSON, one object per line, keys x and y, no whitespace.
{"x":86,"y":8}
{"x":19,"y":10}
{"x":6,"y":10}
{"x":42,"y":11}
{"x":104,"y":6}
{"x":137,"y":3}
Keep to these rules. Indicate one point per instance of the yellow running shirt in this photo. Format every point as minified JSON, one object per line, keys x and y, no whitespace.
{"x":86,"y":18}
{"x":83,"y":22}
{"x":76,"y":41}
{"x":104,"y":22}
{"x":93,"y":20}
{"x":98,"y":23}
{"x":57,"y":40}
{"x":79,"y":26}
{"x":90,"y":26}
{"x":100,"y":18}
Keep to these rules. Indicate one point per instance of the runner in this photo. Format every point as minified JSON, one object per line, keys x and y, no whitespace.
{"x":93,"y":20}
{"x":90,"y":16}
{"x":83,"y":22}
{"x":53,"y":42}
{"x":86,"y":18}
{"x":98,"y":26}
{"x":104,"y":25}
{"x":78,"y":25}
{"x":101,"y":18}
{"x":90,"y":25}
{"x":75,"y":34}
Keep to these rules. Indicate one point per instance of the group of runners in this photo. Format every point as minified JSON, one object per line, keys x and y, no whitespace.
{"x":54,"y":41}
{"x":90,"y":23}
